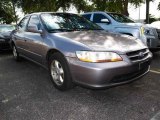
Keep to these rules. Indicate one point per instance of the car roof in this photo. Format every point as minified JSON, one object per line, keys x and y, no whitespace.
{"x":98,"y":12}
{"x":38,"y":13}
{"x":6,"y":25}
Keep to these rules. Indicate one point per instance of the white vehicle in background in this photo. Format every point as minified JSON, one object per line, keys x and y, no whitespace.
{"x":156,"y":24}
{"x":115,"y":22}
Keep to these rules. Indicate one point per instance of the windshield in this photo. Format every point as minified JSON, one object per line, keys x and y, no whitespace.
{"x":61,"y":22}
{"x":121,"y":18}
{"x":6,"y":28}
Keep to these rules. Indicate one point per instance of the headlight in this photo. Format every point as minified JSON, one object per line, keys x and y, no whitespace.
{"x":146,"y":31}
{"x":91,"y":56}
{"x":142,"y":31}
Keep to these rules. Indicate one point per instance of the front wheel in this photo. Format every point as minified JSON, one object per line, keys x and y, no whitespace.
{"x":59,"y":72}
{"x":15,"y":53}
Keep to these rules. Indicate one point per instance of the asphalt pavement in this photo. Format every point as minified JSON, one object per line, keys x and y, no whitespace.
{"x":26,"y":93}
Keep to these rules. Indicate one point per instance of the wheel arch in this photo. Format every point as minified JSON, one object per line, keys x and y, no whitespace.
{"x":52,"y":51}
{"x":12,"y":44}
{"x":130,"y":34}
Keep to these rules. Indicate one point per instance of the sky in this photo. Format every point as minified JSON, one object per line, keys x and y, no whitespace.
{"x":133,"y":12}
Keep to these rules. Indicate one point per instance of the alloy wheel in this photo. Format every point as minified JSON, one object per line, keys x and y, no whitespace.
{"x":57,"y":72}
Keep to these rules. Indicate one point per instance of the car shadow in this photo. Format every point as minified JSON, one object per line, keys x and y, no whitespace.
{"x":156,"y":55}
{"x":5,"y":53}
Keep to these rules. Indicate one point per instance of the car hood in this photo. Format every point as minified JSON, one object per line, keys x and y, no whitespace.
{"x":104,"y":41}
{"x":5,"y":34}
{"x":134,"y":24}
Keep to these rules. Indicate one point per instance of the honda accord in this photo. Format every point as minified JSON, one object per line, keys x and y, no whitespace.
{"x":77,"y":51}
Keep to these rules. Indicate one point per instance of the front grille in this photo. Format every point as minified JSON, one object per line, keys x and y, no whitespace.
{"x":4,"y":45}
{"x":158,"y":32}
{"x":138,"y":55}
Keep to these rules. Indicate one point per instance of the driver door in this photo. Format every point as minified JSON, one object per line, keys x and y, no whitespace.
{"x":34,"y":41}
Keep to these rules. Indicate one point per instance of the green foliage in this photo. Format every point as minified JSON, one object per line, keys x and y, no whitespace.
{"x":152,"y":18}
{"x":119,"y":6}
{"x":82,"y":5}
{"x":6,"y":12}
{"x":29,"y":6}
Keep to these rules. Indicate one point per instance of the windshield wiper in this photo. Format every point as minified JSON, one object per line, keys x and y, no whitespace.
{"x":61,"y":30}
{"x":79,"y":29}
{"x":74,"y":29}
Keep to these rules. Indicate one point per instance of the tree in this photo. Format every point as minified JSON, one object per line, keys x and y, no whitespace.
{"x":6,"y":12}
{"x":29,"y":6}
{"x":119,"y":6}
{"x":151,"y":19}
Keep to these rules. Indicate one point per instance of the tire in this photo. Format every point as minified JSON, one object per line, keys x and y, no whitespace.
{"x":15,"y":53}
{"x":59,"y":72}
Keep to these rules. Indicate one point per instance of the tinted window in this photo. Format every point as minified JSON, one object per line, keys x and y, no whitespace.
{"x":97,"y":18}
{"x":22,"y":25}
{"x":34,"y":21}
{"x":87,"y":16}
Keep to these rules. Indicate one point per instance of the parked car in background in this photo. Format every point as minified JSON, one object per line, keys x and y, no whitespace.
{"x":76,"y":51}
{"x":122,"y":24}
{"x":5,"y":31}
{"x":156,"y":24}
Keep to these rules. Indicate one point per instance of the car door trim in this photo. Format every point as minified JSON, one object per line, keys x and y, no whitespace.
{"x":30,"y":51}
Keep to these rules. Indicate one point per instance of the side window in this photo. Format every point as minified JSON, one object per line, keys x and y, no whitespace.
{"x":97,"y":18}
{"x":34,"y":21}
{"x":87,"y":16}
{"x":23,"y":23}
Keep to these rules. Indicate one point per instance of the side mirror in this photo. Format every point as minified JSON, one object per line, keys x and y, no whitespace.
{"x":34,"y":29}
{"x":105,"y":21}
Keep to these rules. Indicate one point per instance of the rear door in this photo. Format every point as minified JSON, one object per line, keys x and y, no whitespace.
{"x":19,"y":35}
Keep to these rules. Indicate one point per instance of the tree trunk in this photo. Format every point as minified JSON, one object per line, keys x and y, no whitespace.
{"x":125,"y":7}
{"x":147,"y":11}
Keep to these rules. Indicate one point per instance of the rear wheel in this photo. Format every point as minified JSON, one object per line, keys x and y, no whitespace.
{"x":59,"y":72}
{"x":15,"y":53}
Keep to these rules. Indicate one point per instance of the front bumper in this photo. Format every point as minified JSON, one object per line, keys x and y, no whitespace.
{"x":104,"y":75}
